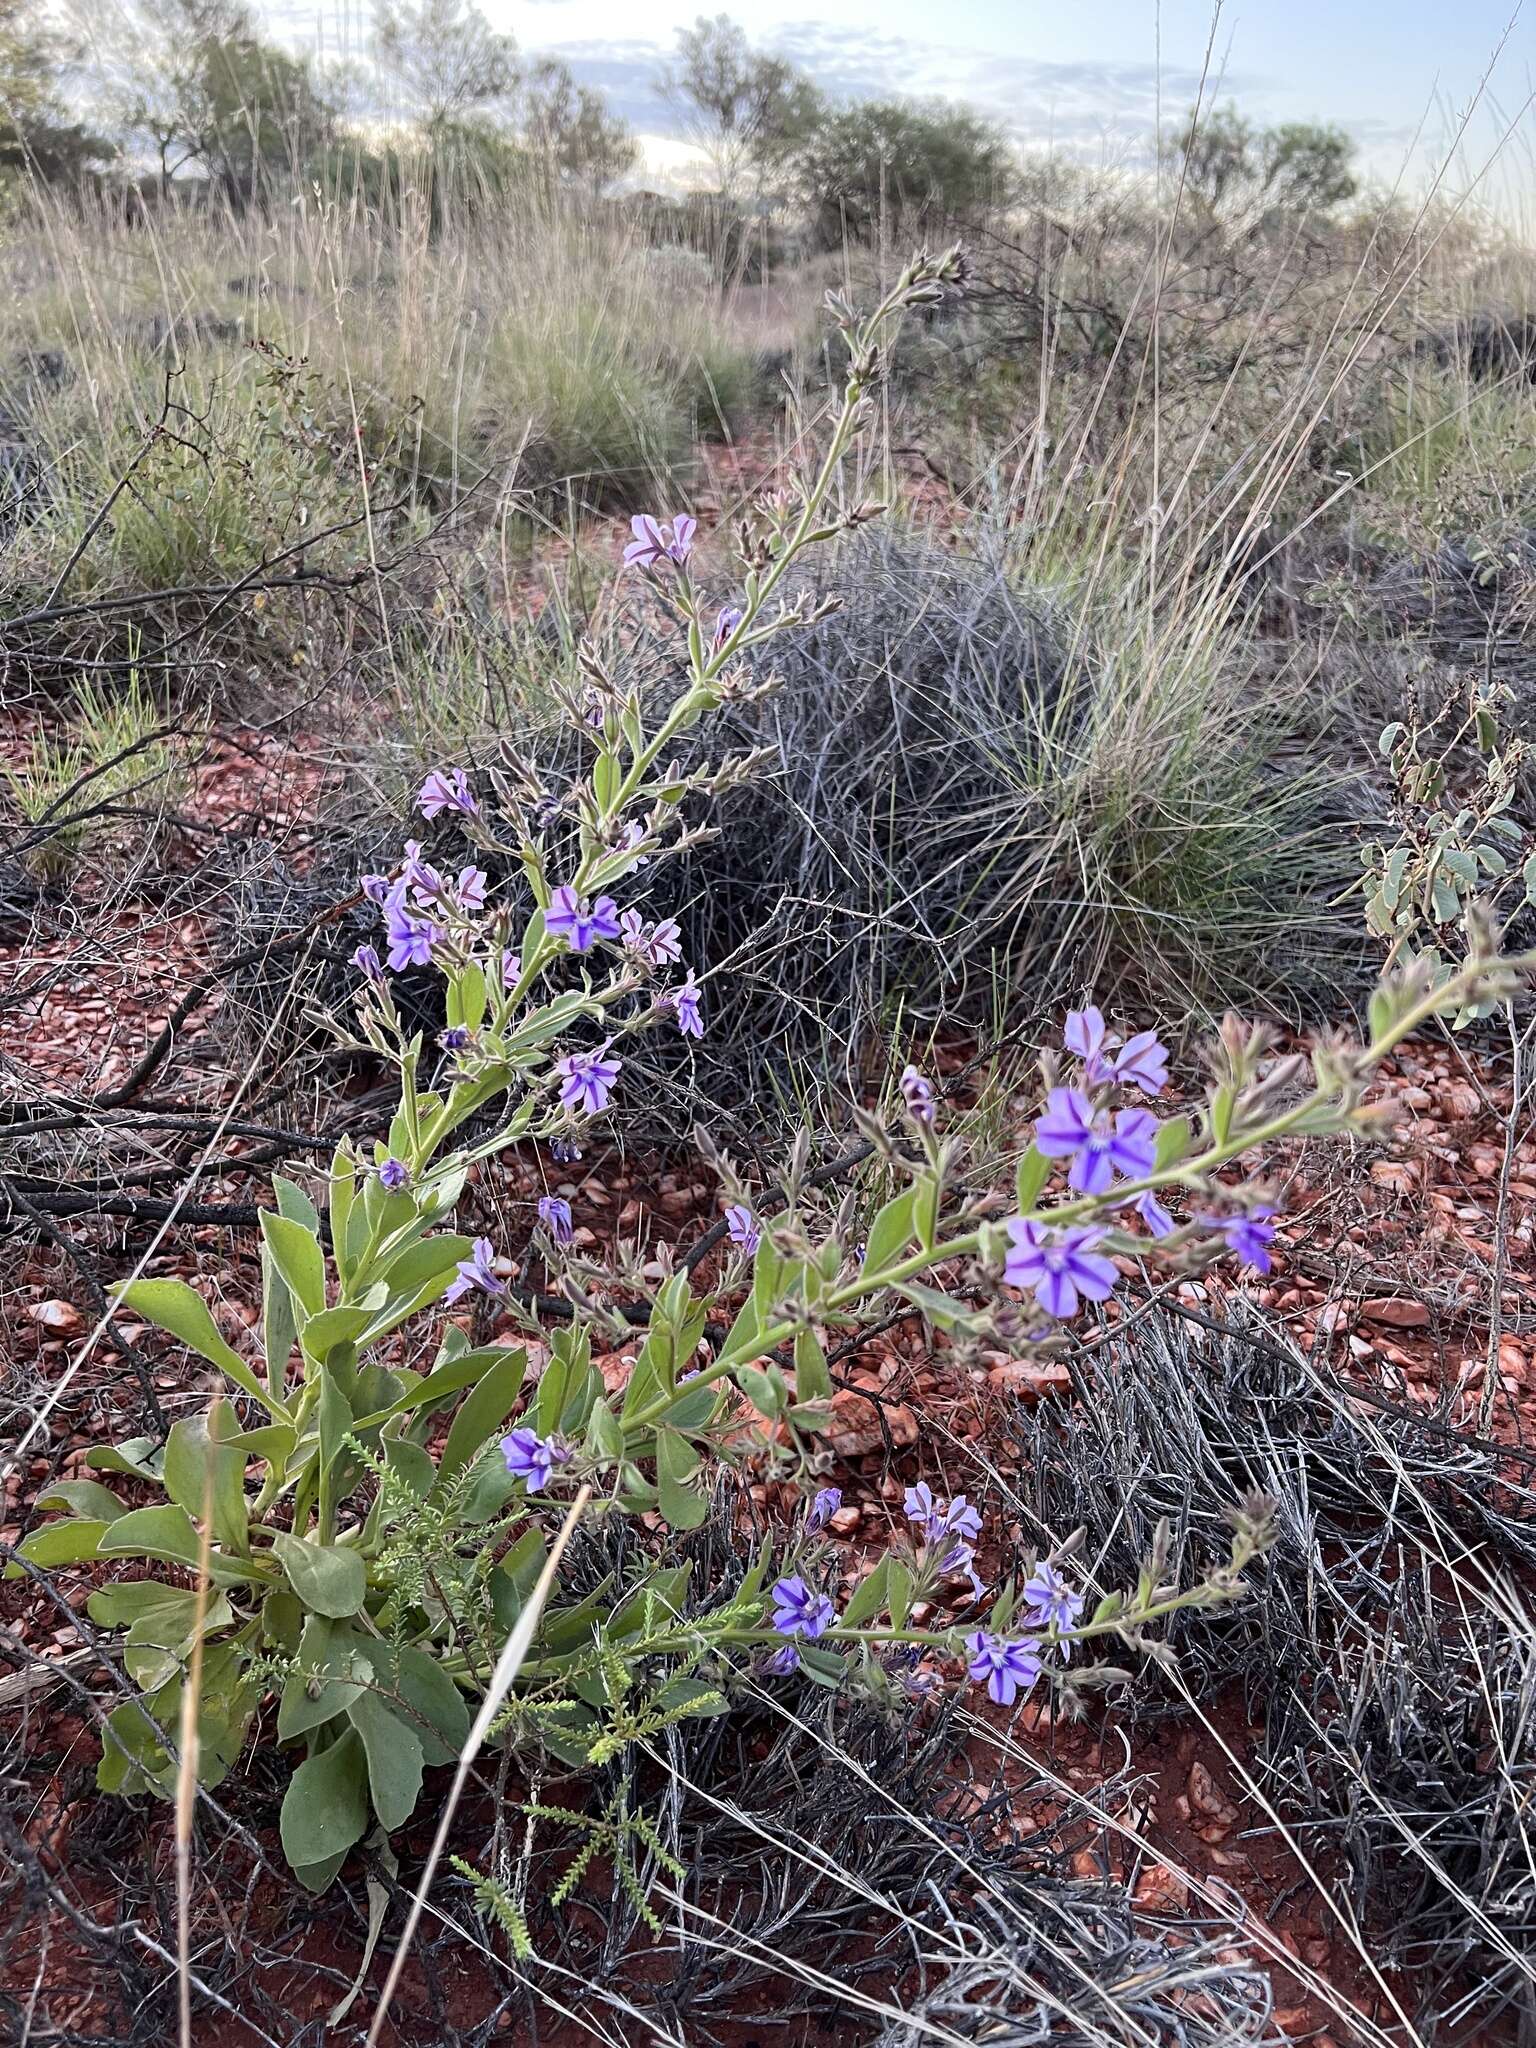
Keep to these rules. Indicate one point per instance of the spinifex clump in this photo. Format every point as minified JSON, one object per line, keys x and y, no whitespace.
{"x":365,"y":1537}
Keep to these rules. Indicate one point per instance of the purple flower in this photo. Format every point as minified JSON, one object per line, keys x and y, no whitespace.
{"x":658,"y":541}
{"x":1005,"y":1669}
{"x":917,"y":1094}
{"x":587,"y":1080}
{"x":725,"y":625}
{"x":511,"y":968}
{"x":411,"y":938}
{"x":824,"y":1506}
{"x":1153,"y":1214}
{"x":376,"y":888}
{"x":394,"y":1175}
{"x":581,"y":924}
{"x":555,"y":1215}
{"x":367,"y":962}
{"x":446,"y":789}
{"x":419,"y":874}
{"x":958,"y":1561}
{"x":1061,"y":1268}
{"x":797,"y":1611}
{"x":658,"y":944}
{"x":1249,"y":1233}
{"x":1087,"y":1035}
{"x":564,"y":1150}
{"x":1142,"y":1062}
{"x":469,"y":890}
{"x":531,"y":1457}
{"x":1051,"y":1601}
{"x":477,"y":1271}
{"x":740,"y":1228}
{"x":684,"y":1003}
{"x":938,"y":1518}
{"x":1097,"y":1146}
{"x":455,"y":1038}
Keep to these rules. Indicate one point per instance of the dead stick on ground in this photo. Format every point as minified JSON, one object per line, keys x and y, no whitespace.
{"x":507,"y":1666}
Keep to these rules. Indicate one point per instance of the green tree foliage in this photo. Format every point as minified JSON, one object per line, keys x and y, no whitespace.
{"x":902,"y":156}
{"x":192,"y":84}
{"x":749,"y":111}
{"x":571,"y":133}
{"x":36,"y":132}
{"x":448,"y":62}
{"x":1297,"y":167}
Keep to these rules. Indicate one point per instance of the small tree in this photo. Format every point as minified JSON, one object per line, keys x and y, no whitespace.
{"x":903,"y":156}
{"x":571,"y":132}
{"x":748,"y":111}
{"x":447,"y":59}
{"x":1298,"y":167}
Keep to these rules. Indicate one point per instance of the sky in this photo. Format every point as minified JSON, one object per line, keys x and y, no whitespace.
{"x":1090,"y":77}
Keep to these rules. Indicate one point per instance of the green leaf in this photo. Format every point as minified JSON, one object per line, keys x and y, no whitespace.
{"x":483,"y":1412}
{"x":325,"y":1809}
{"x":200,"y":1471}
{"x":139,"y":1456}
{"x":813,"y":1382}
{"x":328,"y":1677}
{"x":295,"y":1251}
{"x":167,"y":1532}
{"x":423,"y":1695}
{"x":87,"y":1498}
{"x":1034,"y":1170}
{"x":67,"y":1542}
{"x":1174,"y":1140}
{"x":890,"y":1234}
{"x":173,"y":1305}
{"x":431,"y":1259}
{"x":462,"y":1370}
{"x":1528,"y":877}
{"x":676,"y":1462}
{"x":332,"y":1327}
{"x":329,"y":1580}
{"x":871,"y":1596}
{"x":293,"y":1203}
{"x":340,"y":1199}
{"x":394,"y":1759}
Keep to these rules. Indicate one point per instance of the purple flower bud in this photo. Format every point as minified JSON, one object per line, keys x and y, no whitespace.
{"x":824,"y":1506}
{"x":782,"y":1663}
{"x":375,"y":888}
{"x":367,"y":962}
{"x":917,"y":1094}
{"x":725,"y":625}
{"x":564,"y":1150}
{"x":555,"y":1215}
{"x":446,"y":789}
{"x":511,"y":968}
{"x":394,"y":1175}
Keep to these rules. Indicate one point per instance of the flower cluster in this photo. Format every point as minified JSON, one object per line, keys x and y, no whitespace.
{"x":1108,"y":1147}
{"x":948,"y":1532}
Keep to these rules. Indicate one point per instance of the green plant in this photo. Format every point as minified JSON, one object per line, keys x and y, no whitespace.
{"x":391,"y":1548}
